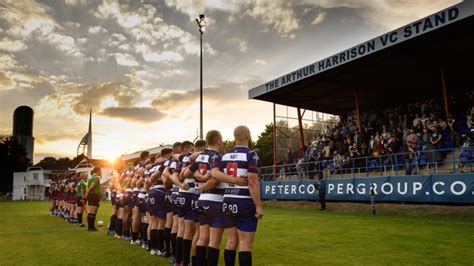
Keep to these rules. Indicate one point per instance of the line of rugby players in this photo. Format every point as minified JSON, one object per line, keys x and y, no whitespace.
{"x":69,"y":195}
{"x":180,"y":203}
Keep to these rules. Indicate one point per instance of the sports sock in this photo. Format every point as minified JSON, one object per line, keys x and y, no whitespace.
{"x":179,"y":250}
{"x":212,"y":256}
{"x":167,"y":238}
{"x":126,"y":233}
{"x":113,"y":218}
{"x":229,"y":257}
{"x":245,"y":258}
{"x":201,"y":256}
{"x":118,"y":227}
{"x":186,"y":251}
{"x":79,"y":218}
{"x":143,"y":230}
{"x":91,"y":220}
{"x":134,"y":236}
{"x":153,"y":239}
{"x":193,"y":260}
{"x":160,"y":245}
{"x":173,"y":243}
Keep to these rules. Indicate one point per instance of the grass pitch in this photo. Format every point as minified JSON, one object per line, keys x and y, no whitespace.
{"x":293,"y":234}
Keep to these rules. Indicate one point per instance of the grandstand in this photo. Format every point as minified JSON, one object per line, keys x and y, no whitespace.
{"x":405,"y":108}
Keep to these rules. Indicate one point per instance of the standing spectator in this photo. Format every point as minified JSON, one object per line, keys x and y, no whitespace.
{"x":300,"y":167}
{"x":454,"y":131}
{"x":289,"y":157}
{"x":338,"y":161}
{"x":320,"y":185}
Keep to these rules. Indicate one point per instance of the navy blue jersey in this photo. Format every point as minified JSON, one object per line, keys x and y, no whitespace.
{"x":164,"y":165}
{"x":239,"y":161}
{"x":204,"y":161}
{"x":183,"y":162}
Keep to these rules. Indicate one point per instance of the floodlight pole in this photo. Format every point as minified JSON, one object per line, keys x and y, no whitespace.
{"x":201,"y":25}
{"x":300,"y":124}
{"x":445,"y":94}
{"x":359,"y":126}
{"x":200,"y":98}
{"x":274,"y":142}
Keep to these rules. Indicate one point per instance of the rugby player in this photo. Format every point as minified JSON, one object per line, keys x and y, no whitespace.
{"x":242,"y":205}
{"x":211,"y":218}
{"x":157,"y":205}
{"x":185,"y":197}
{"x":81,"y":198}
{"x":171,"y":226}
{"x":199,"y":147}
{"x":136,"y":219}
{"x":113,"y":216}
{"x":72,"y":198}
{"x":127,"y":204}
{"x":119,"y":201}
{"x":93,"y":197}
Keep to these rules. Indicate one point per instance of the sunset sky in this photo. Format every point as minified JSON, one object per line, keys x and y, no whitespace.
{"x":136,"y":63}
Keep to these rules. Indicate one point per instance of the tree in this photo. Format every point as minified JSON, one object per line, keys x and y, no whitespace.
{"x":264,"y":146}
{"x":63,"y":163}
{"x":12,"y":159}
{"x":228,"y":144}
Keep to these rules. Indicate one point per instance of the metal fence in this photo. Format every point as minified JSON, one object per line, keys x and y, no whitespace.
{"x":425,"y":162}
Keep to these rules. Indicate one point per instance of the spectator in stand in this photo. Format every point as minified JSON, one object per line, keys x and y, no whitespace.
{"x":300,"y":167}
{"x":454,"y":131}
{"x":311,"y":155}
{"x":338,"y":161}
{"x":432,"y":145}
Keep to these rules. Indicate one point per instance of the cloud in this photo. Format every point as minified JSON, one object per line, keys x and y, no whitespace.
{"x":136,"y":114}
{"x":122,"y":14}
{"x":124,"y":47}
{"x":166,"y":56}
{"x":76,"y":2}
{"x":387,"y":13}
{"x":319,"y":18}
{"x":278,"y":14}
{"x":93,"y":96}
{"x":224,"y":92}
{"x":8,"y":61}
{"x":6,"y":82}
{"x":241,"y":44}
{"x":26,"y":17}
{"x":97,"y":30}
{"x":42,"y":138}
{"x":172,"y":72}
{"x":64,"y":43}
{"x":125,"y":59}
{"x":260,"y":62}
{"x":194,"y":8}
{"x":10,"y":45}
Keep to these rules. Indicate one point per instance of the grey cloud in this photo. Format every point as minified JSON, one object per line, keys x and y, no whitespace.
{"x":135,"y":114}
{"x":92,"y":97}
{"x":49,"y":137}
{"x":224,"y":92}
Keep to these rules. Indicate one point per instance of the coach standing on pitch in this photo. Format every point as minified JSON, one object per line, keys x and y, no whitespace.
{"x":93,"y":197}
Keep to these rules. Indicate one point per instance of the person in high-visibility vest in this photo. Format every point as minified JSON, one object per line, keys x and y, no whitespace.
{"x":81,"y":198}
{"x":93,"y":197}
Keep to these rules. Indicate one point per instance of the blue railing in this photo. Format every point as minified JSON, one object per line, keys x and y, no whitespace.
{"x":408,"y":163}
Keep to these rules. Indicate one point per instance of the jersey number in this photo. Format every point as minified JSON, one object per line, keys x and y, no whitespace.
{"x":230,"y":208}
{"x":231,"y":169}
{"x":202,"y":168}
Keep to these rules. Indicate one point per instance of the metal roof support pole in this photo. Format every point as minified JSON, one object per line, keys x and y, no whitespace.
{"x":274,"y":141}
{"x":445,"y":94}
{"x":300,"y":124}
{"x":357,"y":110}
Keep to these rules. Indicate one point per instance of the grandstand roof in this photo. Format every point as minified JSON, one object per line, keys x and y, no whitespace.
{"x":401,"y":66}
